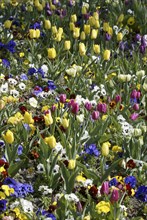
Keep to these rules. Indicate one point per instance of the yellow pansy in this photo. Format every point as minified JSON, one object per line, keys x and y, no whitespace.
{"x":103,"y":207}
{"x":116,"y":149}
{"x":7,"y":190}
{"x":2,"y":169}
{"x":80,"y":178}
{"x":131,"y":21}
{"x":2,"y":195}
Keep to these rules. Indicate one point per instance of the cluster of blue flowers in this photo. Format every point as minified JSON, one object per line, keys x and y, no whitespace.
{"x":131,"y":180}
{"x":20,"y":189}
{"x":10,"y":46}
{"x":91,"y":150}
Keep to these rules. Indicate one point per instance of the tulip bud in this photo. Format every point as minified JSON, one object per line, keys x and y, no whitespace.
{"x":105,"y":188}
{"x":54,"y":30}
{"x":63,"y":98}
{"x":119,"y":36}
{"x":87,"y":29}
{"x":52,"y":53}
{"x":65,"y":123}
{"x":94,"y":34}
{"x":118,"y":98}
{"x":105,"y":26}
{"x":134,"y":116}
{"x":71,"y":164}
{"x":32,"y":33}
{"x":67,"y":45}
{"x":37,"y":33}
{"x":8,"y":137}
{"x":136,"y":107}
{"x":105,"y":149}
{"x":82,"y":49}
{"x":75,"y":108}
{"x":88,"y":106}
{"x":134,"y":94}
{"x":47,"y":24}
{"x":51,"y":141}
{"x":73,"y":18}
{"x":96,"y":48}
{"x":106,"y":55}
{"x":95,"y":115}
{"x":71,"y":26}
{"x":48,"y":119}
{"x":82,"y":36}
{"x":140,"y":73}
{"x":102,"y":107}
{"x":76,"y":32}
{"x":7,"y":24}
{"x":28,"y":118}
{"x":114,"y":195}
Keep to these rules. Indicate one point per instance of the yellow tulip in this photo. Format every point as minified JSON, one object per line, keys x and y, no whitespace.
{"x":28,"y":118}
{"x":105,"y":26}
{"x":106,"y":55}
{"x":8,"y":137}
{"x":47,"y":24}
{"x":71,"y":26}
{"x":87,"y":29}
{"x":48,"y":119}
{"x":67,"y":45}
{"x":51,"y":141}
{"x":105,"y":148}
{"x":71,"y":164}
{"x":7,"y":24}
{"x":76,"y":32}
{"x":94,"y":34}
{"x":82,"y":49}
{"x":97,"y":24}
{"x":82,"y":36}
{"x":84,"y":10}
{"x":32,"y":33}
{"x":96,"y":48}
{"x":2,"y":104}
{"x":65,"y":123}
{"x":37,"y":33}
{"x":119,"y":36}
{"x":54,"y":30}
{"x":52,"y":53}
{"x":73,"y":18}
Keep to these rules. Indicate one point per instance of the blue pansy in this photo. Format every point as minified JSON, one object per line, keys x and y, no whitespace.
{"x":92,"y":150}
{"x":131,"y":180}
{"x":141,"y":193}
{"x":2,"y":205}
{"x":31,"y":71}
{"x":6,"y":63}
{"x":11,"y":46}
{"x":113,"y":182}
{"x":51,"y":85}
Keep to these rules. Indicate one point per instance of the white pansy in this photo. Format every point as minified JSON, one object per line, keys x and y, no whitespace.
{"x":14,"y":93}
{"x":58,"y":147}
{"x":56,"y":169}
{"x":88,"y":182}
{"x":26,"y":205}
{"x":4,"y":88}
{"x":80,"y":118}
{"x":22,"y":86}
{"x":12,"y":81}
{"x":44,"y":68}
{"x":33,"y":102}
{"x":40,"y":168}
{"x":71,"y":197}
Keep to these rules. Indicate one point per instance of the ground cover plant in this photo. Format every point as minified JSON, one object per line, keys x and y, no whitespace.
{"x":73,"y":109}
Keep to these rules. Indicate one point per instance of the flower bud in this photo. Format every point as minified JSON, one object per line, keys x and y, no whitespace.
{"x":105,"y":149}
{"x":88,"y":106}
{"x":28,"y":118}
{"x":67,"y":45}
{"x":87,"y":29}
{"x":82,"y":36}
{"x":8,"y":137}
{"x":94,"y":34}
{"x":76,"y":32}
{"x":52,"y":53}
{"x":119,"y":36}
{"x":71,"y":164}
{"x":75,"y":108}
{"x":62,"y":98}
{"x":106,"y":55}
{"x":134,"y":116}
{"x":7,"y":24}
{"x":105,"y":188}
{"x":73,"y":18}
{"x":96,"y":48}
{"x":118,"y":98}
{"x":114,"y":195}
{"x":95,"y":115}
{"x":48,"y":119}
{"x":82,"y":49}
{"x":102,"y":107}
{"x":47,"y":24}
{"x":65,"y":123}
{"x":54,"y":30}
{"x":51,"y":141}
{"x":136,"y":107}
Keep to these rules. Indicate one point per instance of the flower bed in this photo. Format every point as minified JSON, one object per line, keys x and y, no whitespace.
{"x":73,"y":109}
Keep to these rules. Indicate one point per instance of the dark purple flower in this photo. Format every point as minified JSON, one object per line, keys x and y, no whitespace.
{"x":2,"y":205}
{"x":138,"y":37}
{"x":113,"y":182}
{"x":75,"y":108}
{"x":142,"y":49}
{"x":6,"y":63}
{"x":107,"y":37}
{"x":88,"y":106}
{"x":51,"y":85}
{"x":118,"y":98}
{"x":141,"y":193}
{"x":136,"y":107}
{"x":62,"y":98}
